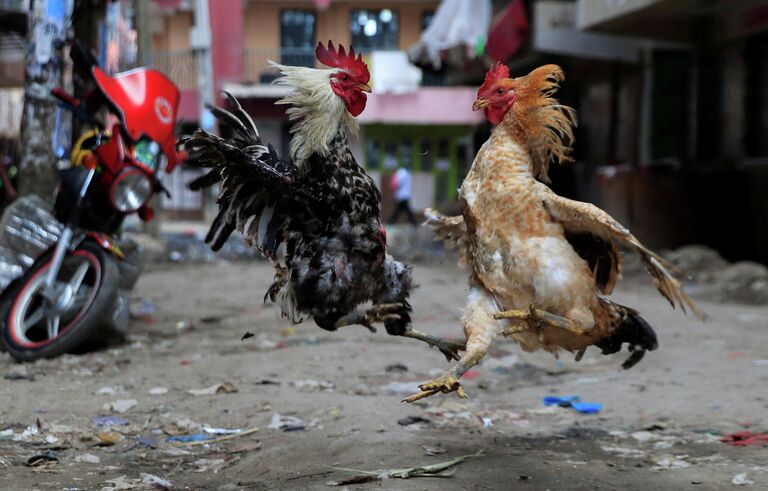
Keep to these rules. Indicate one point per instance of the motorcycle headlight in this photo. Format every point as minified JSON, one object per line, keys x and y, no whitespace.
{"x":131,"y":190}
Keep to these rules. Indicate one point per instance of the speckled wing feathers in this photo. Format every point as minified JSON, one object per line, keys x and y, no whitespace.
{"x":579,"y":217}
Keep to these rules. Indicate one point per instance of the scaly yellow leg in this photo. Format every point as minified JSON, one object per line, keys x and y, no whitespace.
{"x":537,"y":318}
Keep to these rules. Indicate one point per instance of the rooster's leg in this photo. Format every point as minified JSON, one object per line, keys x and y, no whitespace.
{"x":481,"y":329}
{"x":382,"y":312}
{"x":534,"y":318}
{"x":448,"y":347}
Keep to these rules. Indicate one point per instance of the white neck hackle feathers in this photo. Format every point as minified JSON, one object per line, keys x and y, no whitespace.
{"x":317,"y":113}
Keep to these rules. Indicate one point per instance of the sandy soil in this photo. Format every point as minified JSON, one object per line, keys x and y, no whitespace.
{"x":658,"y":429}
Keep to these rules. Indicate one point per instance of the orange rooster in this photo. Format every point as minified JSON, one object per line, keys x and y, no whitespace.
{"x":539,"y":262}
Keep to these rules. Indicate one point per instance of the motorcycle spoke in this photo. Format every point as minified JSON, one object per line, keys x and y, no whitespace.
{"x":77,"y":303}
{"x":33,"y":318}
{"x":53,"y":327}
{"x":79,"y":276}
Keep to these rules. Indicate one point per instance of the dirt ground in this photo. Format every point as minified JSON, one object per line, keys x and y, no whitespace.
{"x":660,"y":426}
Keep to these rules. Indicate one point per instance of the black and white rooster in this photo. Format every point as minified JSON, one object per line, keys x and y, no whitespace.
{"x":316,"y":216}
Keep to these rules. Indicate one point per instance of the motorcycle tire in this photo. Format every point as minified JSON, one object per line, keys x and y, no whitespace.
{"x":101,"y":277}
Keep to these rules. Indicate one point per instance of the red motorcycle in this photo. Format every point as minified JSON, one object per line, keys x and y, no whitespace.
{"x":73,"y":288}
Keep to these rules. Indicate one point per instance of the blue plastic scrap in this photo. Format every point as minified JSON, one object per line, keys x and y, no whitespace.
{"x":587,"y":407}
{"x":562,"y":401}
{"x":575,"y":403}
{"x":189,"y":438}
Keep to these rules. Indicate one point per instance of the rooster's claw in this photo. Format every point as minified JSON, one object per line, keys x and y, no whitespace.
{"x":446,"y":384}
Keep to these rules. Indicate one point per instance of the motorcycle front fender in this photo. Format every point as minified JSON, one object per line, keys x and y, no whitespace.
{"x":103,"y":240}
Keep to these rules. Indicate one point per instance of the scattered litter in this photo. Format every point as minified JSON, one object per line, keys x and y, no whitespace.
{"x":247,"y":335}
{"x":19,"y":372}
{"x":121,"y":483}
{"x":412,"y":420}
{"x":432,"y":451}
{"x":562,"y":401}
{"x":121,"y":405}
{"x":25,"y":435}
{"x":108,"y":438}
{"x":182,"y":426}
{"x":287,"y":423}
{"x":221,"y":431}
{"x":745,"y":438}
{"x":145,"y":312}
{"x":197,"y":440}
{"x":244,"y":447}
{"x":207,"y":465}
{"x":757,"y":363}
{"x":741,"y":480}
{"x":310,"y":385}
{"x":574,"y":402}
{"x":147,"y":441}
{"x":396,"y":368}
{"x":87,"y":458}
{"x":660,"y":440}
{"x":199,"y":437}
{"x":223,"y":388}
{"x":267,"y":382}
{"x":155,"y":482}
{"x":624,"y":451}
{"x":184,"y":326}
{"x":671,"y":462}
{"x":433,"y":470}
{"x":50,"y":439}
{"x":487,"y":422}
{"x":44,"y":459}
{"x":158,"y":391}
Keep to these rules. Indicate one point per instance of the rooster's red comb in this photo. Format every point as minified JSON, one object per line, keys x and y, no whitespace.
{"x":497,"y":72}
{"x":341,"y":59}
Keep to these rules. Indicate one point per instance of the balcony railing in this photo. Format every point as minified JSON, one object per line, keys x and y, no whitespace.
{"x":179,"y":66}
{"x":255,"y":62}
{"x":257,"y":70}
{"x":182,"y":66}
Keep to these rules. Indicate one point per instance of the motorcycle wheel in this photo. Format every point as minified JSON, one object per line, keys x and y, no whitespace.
{"x":87,"y":289}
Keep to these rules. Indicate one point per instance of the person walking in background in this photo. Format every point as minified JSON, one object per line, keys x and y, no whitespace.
{"x":401,"y":184}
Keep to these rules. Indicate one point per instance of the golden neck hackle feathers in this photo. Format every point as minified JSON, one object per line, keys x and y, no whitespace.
{"x":538,"y":121}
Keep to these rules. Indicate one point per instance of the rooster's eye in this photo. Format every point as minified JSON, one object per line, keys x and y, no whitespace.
{"x":344,"y":77}
{"x":500,"y":91}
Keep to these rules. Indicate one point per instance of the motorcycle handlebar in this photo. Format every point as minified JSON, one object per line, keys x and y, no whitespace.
{"x":82,"y":57}
{"x":65,"y":97}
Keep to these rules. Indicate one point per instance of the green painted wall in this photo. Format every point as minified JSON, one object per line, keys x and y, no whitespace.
{"x":427,"y":148}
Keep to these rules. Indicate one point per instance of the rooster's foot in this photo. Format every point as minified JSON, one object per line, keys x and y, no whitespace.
{"x":383,"y":312}
{"x":447,"y":347}
{"x":537,"y":318}
{"x":446,"y":384}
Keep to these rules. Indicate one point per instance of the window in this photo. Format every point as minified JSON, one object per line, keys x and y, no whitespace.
{"x":374,"y":29}
{"x":426,"y":19}
{"x":297,"y":37}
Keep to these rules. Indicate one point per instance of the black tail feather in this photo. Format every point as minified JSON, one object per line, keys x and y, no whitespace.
{"x":204,"y":181}
{"x":633,"y":330}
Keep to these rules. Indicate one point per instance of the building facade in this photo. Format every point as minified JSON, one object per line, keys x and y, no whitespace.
{"x":673,"y":127}
{"x":411,"y":117}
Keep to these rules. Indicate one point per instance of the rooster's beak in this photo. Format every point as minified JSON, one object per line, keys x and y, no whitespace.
{"x":365,"y":87}
{"x":480,"y":104}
